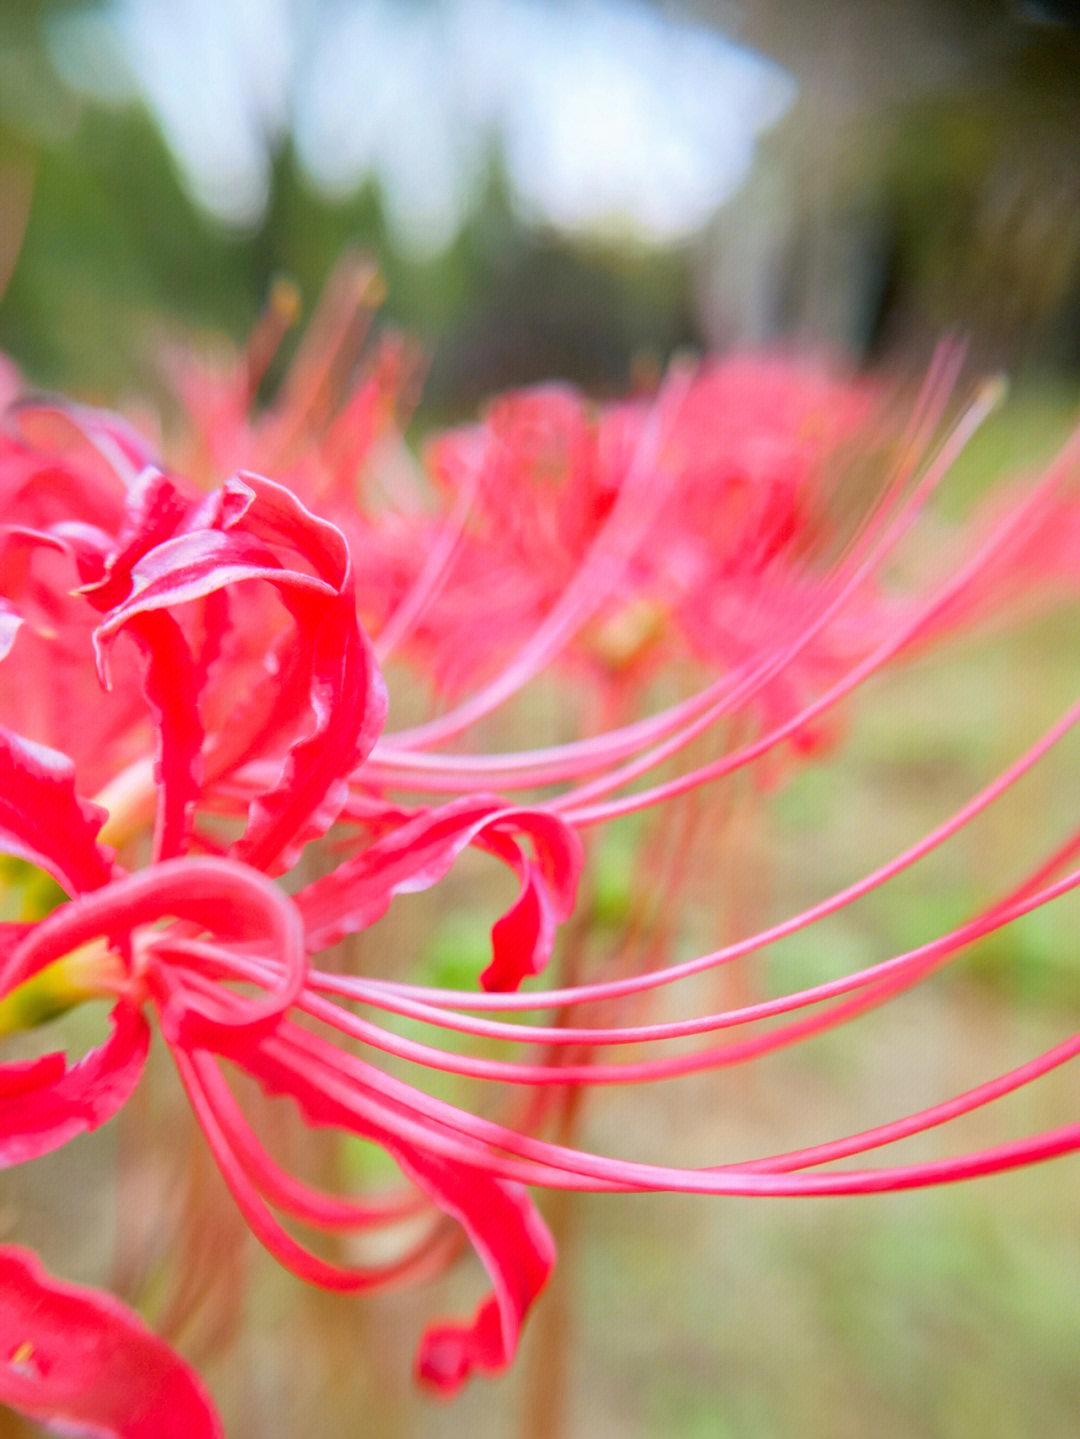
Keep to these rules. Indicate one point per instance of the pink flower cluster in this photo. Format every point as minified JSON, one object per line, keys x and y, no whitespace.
{"x":190,"y":702}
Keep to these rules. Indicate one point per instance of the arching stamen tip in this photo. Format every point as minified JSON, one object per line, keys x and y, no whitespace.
{"x":281,"y":312}
{"x":366,"y":282}
{"x":285,"y":302}
{"x":993,"y":391}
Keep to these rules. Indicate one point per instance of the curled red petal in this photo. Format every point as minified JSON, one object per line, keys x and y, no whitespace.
{"x":171,"y":684}
{"x":44,"y":1102}
{"x":257,"y":530}
{"x":190,"y":566}
{"x":345,"y":694}
{"x":42,"y":820}
{"x":522,"y":939}
{"x":500,"y":1219}
{"x":181,"y":569}
{"x":154,"y":510}
{"x":80,"y":1362}
{"x":67,"y":424}
{"x":421,"y":849}
{"x":279,"y":519}
{"x":517,"y":1250}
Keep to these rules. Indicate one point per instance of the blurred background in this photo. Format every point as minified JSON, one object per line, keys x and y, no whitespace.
{"x":551,"y":188}
{"x":581,"y":191}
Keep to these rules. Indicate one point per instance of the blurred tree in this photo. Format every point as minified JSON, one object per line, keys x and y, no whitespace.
{"x":925,"y":180}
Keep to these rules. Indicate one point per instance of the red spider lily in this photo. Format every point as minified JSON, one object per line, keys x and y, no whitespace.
{"x":115,"y":570}
{"x":695,"y":510}
{"x":593,"y":537}
{"x":171,"y":576}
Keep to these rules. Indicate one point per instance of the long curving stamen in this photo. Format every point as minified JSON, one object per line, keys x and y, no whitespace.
{"x":599,"y":574}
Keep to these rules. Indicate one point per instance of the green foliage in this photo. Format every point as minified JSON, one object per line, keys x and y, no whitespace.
{"x":113,"y":241}
{"x":457,"y":952}
{"x":26,"y":892}
{"x":115,"y":253}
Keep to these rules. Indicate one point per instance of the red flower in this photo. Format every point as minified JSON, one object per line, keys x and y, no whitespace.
{"x":173,"y":575}
{"x":241,"y":720}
